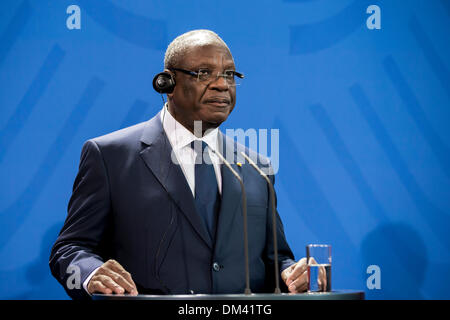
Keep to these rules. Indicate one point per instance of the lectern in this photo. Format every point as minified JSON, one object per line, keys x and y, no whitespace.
{"x":334,"y":295}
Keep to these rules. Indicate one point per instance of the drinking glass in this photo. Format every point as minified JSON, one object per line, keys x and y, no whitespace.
{"x":319,"y":267}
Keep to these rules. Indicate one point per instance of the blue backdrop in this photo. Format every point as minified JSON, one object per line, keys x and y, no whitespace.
{"x":363,"y":115}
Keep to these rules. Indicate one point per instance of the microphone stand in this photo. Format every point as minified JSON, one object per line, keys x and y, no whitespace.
{"x":244,"y":213}
{"x":274,"y":220}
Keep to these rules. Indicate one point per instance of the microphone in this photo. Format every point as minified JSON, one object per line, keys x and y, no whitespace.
{"x":244,"y":213}
{"x":274,"y":220}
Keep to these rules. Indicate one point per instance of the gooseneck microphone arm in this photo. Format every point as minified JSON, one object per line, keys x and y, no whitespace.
{"x":274,"y":219}
{"x":244,"y":213}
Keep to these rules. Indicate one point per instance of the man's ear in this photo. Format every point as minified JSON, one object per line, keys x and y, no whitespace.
{"x":170,"y":95}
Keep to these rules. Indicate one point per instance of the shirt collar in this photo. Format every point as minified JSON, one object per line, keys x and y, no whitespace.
{"x":180,"y":137}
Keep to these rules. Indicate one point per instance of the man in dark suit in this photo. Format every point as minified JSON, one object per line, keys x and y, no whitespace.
{"x":147,"y":216}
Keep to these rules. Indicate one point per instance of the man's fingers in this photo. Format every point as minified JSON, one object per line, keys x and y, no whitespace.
{"x":312,"y":260}
{"x":111,"y":277}
{"x":286,"y":272}
{"x":110,"y":283}
{"x":118,"y":279}
{"x":116,"y":267}
{"x":97,"y":286}
{"x":103,"y":284}
{"x":126,"y":275}
{"x":299,"y":269}
{"x":300,"y":284}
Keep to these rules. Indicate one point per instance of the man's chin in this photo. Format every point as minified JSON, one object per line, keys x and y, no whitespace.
{"x":212,"y":123}
{"x":217,"y":116}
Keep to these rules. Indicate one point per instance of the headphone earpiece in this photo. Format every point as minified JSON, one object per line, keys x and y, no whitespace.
{"x":164,"y":82}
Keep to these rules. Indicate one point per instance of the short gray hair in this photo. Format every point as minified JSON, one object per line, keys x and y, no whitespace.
{"x":178,"y":47}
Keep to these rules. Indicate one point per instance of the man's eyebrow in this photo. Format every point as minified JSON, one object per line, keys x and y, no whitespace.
{"x":212,"y":66}
{"x":205,"y":66}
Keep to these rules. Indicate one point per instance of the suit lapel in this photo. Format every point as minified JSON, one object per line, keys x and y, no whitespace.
{"x":157,"y":157}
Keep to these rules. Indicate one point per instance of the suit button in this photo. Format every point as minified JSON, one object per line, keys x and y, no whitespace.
{"x":216,"y":266}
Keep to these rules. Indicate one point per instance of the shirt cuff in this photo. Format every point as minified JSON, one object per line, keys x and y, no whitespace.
{"x":86,"y":282}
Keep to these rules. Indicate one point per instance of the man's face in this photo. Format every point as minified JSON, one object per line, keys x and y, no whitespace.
{"x":211,"y":101}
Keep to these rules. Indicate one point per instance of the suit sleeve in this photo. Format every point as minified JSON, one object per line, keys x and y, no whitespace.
{"x":285,"y":255}
{"x":77,"y":251}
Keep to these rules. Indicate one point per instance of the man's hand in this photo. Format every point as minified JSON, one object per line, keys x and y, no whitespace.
{"x":296,"y":276}
{"x":111,"y":277}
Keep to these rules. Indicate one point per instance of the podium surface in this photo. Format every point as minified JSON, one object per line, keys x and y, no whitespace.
{"x":334,"y":295}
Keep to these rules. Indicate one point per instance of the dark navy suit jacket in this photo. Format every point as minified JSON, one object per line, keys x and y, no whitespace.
{"x":131,"y":203}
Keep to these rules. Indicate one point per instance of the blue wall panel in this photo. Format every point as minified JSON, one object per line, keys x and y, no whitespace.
{"x":363,"y":117}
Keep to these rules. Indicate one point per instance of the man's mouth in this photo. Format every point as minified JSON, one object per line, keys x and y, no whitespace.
{"x":218,"y":101}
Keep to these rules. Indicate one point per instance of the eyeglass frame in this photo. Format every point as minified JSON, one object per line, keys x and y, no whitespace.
{"x":223,"y":75}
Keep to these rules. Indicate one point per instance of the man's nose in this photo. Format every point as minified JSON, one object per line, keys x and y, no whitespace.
{"x":220,"y":83}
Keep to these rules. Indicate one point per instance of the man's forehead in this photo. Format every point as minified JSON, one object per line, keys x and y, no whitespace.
{"x":211,"y":54}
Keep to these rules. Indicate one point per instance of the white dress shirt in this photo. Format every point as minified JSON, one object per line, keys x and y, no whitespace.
{"x":181,"y":138}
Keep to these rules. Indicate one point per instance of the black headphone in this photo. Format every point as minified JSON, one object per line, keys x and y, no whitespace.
{"x":164,"y":82}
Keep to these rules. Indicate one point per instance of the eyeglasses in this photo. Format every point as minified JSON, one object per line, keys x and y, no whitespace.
{"x":233,"y":78}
